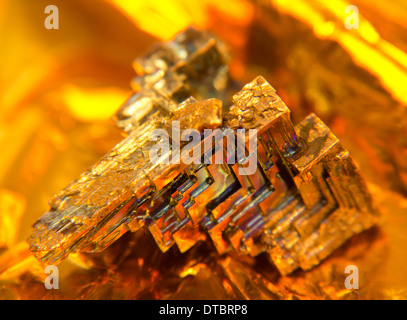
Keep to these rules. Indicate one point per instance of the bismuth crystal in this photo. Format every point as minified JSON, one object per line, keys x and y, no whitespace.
{"x":193,"y":64}
{"x":304,"y":200}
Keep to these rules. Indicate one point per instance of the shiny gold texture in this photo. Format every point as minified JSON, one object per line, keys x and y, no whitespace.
{"x":60,"y":88}
{"x":252,"y":213}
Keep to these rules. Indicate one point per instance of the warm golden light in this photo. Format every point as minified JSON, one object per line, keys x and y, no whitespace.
{"x":164,"y":19}
{"x":60,"y":88}
{"x":364,"y":44}
{"x":93,"y":104}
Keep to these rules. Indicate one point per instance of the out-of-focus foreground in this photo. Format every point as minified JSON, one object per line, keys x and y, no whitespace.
{"x":59,"y":89}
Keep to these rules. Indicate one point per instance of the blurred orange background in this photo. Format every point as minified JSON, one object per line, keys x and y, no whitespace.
{"x":60,"y":88}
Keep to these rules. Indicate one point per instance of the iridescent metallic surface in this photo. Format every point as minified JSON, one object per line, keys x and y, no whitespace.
{"x":193,"y":64}
{"x":60,"y":88}
{"x":304,"y":199}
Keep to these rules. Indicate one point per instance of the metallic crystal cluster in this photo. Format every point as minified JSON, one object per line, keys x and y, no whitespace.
{"x":305,"y":199}
{"x":194,"y":64}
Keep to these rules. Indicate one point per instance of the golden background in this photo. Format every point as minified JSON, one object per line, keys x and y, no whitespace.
{"x":60,"y":88}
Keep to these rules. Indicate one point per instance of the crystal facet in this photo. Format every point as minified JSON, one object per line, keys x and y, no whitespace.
{"x":305,"y":199}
